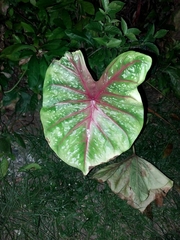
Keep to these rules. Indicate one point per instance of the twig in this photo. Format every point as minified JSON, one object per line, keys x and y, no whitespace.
{"x":15,"y":84}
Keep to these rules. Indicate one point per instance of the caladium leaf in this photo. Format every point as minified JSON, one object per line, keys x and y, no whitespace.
{"x":88,"y":122}
{"x":136,"y":180}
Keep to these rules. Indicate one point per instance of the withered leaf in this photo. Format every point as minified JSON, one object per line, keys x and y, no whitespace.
{"x":168,"y":150}
{"x":137,"y":181}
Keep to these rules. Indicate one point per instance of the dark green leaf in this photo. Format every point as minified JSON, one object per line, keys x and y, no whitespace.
{"x":131,"y":36}
{"x":114,"y":7}
{"x":135,"y":31}
{"x":112,"y":30}
{"x":94,"y":26}
{"x":99,"y":16}
{"x":161,"y":33}
{"x":57,"y":33}
{"x":43,"y":67}
{"x":10,"y":97}
{"x":63,"y":4}
{"x":33,"y":73}
{"x":105,"y":4}
{"x":16,"y":38}
{"x":23,"y":103}
{"x":34,"y":102}
{"x":88,"y":7}
{"x":3,"y":167}
{"x":78,"y":36}
{"x":55,"y":53}
{"x":31,"y":166}
{"x":150,"y":34}
{"x":11,"y":12}
{"x":12,"y":52}
{"x":19,"y":140}
{"x":66,"y":18}
{"x":102,"y":40}
{"x":9,"y":24}
{"x":102,"y":12}
{"x":114,"y":43}
{"x":124,"y":26}
{"x":27,"y":27}
{"x":174,"y":75}
{"x":43,"y":16}
{"x":97,"y":58}
{"x":152,"y":47}
{"x":53,"y":45}
{"x":5,"y":146}
{"x":3,"y":80}
{"x":45,"y":3}
{"x":26,"y":54}
{"x":33,"y":2}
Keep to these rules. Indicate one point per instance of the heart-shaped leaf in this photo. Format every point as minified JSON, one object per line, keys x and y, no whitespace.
{"x":135,"y":180}
{"x":87,"y":122}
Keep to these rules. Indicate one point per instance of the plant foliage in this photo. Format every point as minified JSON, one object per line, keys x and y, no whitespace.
{"x":88,"y":122}
{"x":34,"y":33}
{"x":136,"y":181}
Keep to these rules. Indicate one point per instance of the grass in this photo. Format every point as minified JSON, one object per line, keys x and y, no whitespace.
{"x":57,"y":202}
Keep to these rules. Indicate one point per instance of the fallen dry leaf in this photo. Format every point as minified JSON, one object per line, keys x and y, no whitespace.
{"x":175,"y":117}
{"x":137,"y":181}
{"x":168,"y":150}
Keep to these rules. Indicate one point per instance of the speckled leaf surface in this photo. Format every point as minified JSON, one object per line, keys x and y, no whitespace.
{"x":89,"y":122}
{"x":135,"y":180}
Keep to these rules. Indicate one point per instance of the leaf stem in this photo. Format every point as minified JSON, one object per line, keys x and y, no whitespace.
{"x":95,"y":51}
{"x":133,"y":148}
{"x":15,"y":84}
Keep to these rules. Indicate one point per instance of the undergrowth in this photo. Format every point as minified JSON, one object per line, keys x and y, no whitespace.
{"x":57,"y":202}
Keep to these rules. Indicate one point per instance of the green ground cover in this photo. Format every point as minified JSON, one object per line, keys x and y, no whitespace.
{"x":51,"y":200}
